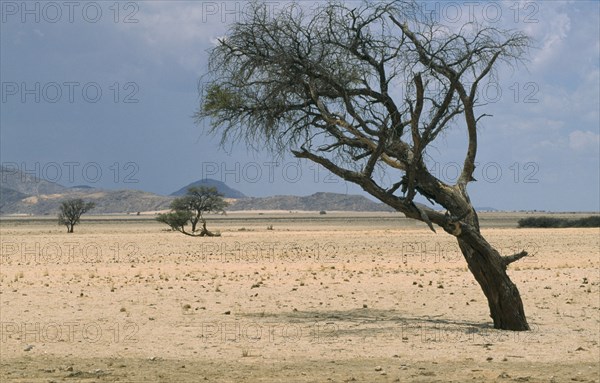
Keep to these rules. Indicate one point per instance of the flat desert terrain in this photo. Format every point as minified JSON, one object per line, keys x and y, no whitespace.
{"x":341,"y":297}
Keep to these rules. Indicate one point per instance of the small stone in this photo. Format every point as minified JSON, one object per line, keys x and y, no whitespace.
{"x":489,"y":358}
{"x":29,"y":347}
{"x":227,"y":312}
{"x":523,"y":379}
{"x":378,"y":368}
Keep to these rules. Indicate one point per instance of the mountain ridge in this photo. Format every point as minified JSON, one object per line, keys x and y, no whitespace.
{"x":314,"y":202}
{"x":23,"y":194}
{"x":222,"y":187}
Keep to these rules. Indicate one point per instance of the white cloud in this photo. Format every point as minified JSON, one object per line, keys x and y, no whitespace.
{"x":179,"y":33}
{"x":584,"y":141}
{"x":553,"y":38}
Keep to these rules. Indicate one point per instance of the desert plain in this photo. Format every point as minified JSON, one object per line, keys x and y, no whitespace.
{"x":289,"y":297}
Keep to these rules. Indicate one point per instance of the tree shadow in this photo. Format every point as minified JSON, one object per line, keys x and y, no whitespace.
{"x":368,"y":318}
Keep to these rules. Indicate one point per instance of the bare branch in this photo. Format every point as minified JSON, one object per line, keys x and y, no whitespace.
{"x":513,"y":258}
{"x":322,"y":82}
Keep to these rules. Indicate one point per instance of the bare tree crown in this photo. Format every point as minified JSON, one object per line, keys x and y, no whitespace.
{"x":356,"y":88}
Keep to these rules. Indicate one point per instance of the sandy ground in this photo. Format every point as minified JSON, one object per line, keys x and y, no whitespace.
{"x":335,"y":298}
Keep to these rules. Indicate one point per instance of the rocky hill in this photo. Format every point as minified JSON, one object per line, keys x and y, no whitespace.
{"x":208,"y":182}
{"x":23,"y":194}
{"x":107,"y":202}
{"x":26,"y":184}
{"x":314,"y":202}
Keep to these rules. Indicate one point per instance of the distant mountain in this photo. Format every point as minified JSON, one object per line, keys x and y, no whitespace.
{"x":81,"y":187}
{"x":314,"y":202}
{"x":107,"y":201}
{"x":9,"y":196}
{"x":27,"y":184}
{"x":24,"y":194}
{"x":208,"y":182}
{"x":485,"y":208}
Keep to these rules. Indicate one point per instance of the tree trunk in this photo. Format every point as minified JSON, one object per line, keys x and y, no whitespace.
{"x":485,"y":263}
{"x":489,"y":269}
{"x":205,"y":231}
{"x":460,"y":220}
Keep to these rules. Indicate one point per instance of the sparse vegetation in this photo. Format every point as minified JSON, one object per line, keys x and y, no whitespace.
{"x":191,"y":209}
{"x":546,"y":222}
{"x":261,"y":289}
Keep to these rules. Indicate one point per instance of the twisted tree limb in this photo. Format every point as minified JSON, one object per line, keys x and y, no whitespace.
{"x":513,"y":258}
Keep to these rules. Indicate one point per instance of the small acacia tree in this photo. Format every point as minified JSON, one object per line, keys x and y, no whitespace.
{"x":191,"y":208}
{"x":71,"y":211}
{"x":356,"y":89}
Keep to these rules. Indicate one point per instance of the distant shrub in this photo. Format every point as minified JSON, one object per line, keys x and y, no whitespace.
{"x":322,"y":212}
{"x":551,"y":222}
{"x":592,"y":221}
{"x":541,"y":222}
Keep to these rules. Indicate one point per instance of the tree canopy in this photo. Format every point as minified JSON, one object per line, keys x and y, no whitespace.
{"x":191,"y":209}
{"x":356,"y":88}
{"x":70,"y":212}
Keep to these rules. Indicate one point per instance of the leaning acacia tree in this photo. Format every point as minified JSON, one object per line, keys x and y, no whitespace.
{"x":366,"y":88}
{"x":191,"y":209}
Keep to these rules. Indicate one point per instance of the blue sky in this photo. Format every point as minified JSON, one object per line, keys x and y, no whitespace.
{"x":98,"y":94}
